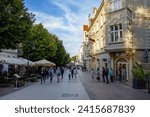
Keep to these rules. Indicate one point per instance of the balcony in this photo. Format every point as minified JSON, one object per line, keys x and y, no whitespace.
{"x":92,"y":38}
{"x":115,"y":46}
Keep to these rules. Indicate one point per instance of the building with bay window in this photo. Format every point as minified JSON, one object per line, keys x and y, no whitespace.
{"x":119,"y":35}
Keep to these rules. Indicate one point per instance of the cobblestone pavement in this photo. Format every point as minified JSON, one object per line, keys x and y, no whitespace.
{"x":64,"y":90}
{"x":112,"y":91}
{"x":82,"y":88}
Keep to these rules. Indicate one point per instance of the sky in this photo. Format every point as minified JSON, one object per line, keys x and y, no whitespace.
{"x":64,"y":18}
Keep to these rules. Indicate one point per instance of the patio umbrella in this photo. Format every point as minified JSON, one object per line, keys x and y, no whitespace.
{"x":44,"y":62}
{"x":26,"y":62}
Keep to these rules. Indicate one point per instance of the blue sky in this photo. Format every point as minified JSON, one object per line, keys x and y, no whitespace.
{"x":64,"y":18}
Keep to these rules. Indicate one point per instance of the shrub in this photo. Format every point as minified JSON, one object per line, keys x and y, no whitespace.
{"x":138,"y":71}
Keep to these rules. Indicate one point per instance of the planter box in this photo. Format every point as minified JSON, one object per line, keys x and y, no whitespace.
{"x":139,"y":84}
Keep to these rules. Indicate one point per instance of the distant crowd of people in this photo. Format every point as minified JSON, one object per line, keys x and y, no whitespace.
{"x":72,"y":73}
{"x":49,"y":74}
{"x":107,"y":75}
{"x":58,"y":72}
{"x":101,"y":74}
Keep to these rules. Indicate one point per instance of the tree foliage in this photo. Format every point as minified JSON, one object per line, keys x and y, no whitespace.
{"x":14,"y":23}
{"x":40,"y":44}
{"x":62,"y":57}
{"x":74,"y":58}
{"x":16,"y":26}
{"x":43,"y":45}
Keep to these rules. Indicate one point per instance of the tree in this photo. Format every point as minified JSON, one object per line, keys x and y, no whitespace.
{"x":74,"y":58}
{"x":40,"y":45}
{"x":60,"y":53}
{"x":15,"y":21}
{"x":67,"y":59}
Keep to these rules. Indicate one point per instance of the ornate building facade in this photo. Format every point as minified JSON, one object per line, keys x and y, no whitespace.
{"x":118,"y":35}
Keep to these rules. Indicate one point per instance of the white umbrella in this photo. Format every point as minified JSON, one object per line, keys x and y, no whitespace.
{"x":26,"y":62}
{"x":44,"y":62}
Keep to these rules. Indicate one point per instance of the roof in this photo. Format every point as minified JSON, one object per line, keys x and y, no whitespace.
{"x":85,"y":27}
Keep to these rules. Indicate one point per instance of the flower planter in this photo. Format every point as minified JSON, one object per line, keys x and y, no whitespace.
{"x":139,"y":83}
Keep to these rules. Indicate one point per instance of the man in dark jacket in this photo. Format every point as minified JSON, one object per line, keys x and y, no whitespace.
{"x":103,"y":74}
{"x":62,"y":72}
{"x":106,"y":75}
{"x":72,"y":72}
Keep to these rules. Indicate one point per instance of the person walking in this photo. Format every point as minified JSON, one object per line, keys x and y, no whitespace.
{"x":46,"y":73}
{"x":51,"y":74}
{"x":98,"y":74}
{"x":69,"y":73}
{"x":62,"y":72}
{"x":103,"y":74}
{"x":42,"y":75}
{"x":124,"y":74}
{"x":75,"y":72}
{"x":92,"y":73}
{"x":111,"y":74}
{"x":106,"y":75}
{"x":58,"y":74}
{"x":72,"y":72}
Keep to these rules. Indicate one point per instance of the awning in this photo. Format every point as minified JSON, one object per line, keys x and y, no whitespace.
{"x":14,"y":61}
{"x":10,"y":60}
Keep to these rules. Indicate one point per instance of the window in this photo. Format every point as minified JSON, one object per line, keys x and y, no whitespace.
{"x":104,"y":18}
{"x":102,"y":42}
{"x":129,"y":3}
{"x":112,"y":6}
{"x":97,"y":44}
{"x":101,"y":19}
{"x":115,"y":5}
{"x":97,"y":28}
{"x":116,"y":33}
{"x":94,"y":29}
{"x":146,"y":4}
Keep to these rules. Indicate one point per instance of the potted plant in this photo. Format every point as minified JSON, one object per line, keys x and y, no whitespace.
{"x":139,"y":76}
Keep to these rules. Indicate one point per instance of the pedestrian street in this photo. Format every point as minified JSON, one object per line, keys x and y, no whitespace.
{"x":64,"y":90}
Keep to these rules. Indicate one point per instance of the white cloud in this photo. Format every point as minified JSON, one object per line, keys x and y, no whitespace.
{"x":68,"y":26}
